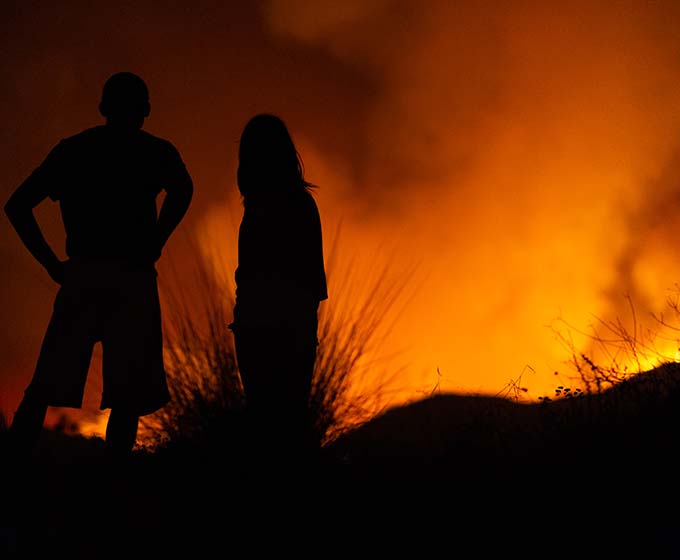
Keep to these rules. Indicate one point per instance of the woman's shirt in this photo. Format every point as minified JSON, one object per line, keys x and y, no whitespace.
{"x":280,"y":277}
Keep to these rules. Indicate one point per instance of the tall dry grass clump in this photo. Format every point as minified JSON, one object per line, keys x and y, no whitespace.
{"x":208,"y":402}
{"x":350,"y":384}
{"x":203,"y":379}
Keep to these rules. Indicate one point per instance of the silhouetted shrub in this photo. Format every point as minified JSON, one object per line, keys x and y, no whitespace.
{"x":207,"y":395}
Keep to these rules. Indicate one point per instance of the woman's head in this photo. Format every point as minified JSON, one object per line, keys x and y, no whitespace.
{"x":268,"y":159}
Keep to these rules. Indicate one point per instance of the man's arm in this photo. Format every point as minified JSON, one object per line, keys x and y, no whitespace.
{"x":179,"y":190}
{"x":19,"y":209}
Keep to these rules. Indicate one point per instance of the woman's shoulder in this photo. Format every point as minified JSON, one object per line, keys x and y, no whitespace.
{"x":307,"y":208}
{"x":307,"y":200}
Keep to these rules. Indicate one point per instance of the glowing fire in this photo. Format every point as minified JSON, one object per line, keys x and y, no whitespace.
{"x":523,"y":159}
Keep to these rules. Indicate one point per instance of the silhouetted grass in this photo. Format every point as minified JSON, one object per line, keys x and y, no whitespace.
{"x":606,"y":457}
{"x":350,"y":384}
{"x":622,"y":350}
{"x":206,"y":410}
{"x":205,"y":387}
{"x":598,"y":451}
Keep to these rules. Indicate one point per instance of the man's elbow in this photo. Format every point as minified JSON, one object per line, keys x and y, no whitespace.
{"x":187,"y":192}
{"x":17,"y":210}
{"x":179,"y":197}
{"x":12,"y":208}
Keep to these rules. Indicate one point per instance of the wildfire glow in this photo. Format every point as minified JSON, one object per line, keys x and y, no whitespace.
{"x":523,"y":160}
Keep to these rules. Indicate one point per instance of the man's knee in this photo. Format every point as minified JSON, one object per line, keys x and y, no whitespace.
{"x":121,"y":430}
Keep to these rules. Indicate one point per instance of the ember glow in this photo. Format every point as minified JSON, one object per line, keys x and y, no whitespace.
{"x":523,"y":158}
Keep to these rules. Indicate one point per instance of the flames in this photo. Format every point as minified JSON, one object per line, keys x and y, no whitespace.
{"x":520,"y":163}
{"x":524,"y":157}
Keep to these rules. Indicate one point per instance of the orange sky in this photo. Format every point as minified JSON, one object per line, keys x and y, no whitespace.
{"x":523,"y":158}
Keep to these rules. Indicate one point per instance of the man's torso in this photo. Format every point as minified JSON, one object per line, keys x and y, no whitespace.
{"x":107,"y":183}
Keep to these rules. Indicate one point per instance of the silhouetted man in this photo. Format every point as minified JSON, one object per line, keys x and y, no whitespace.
{"x":107,"y":180}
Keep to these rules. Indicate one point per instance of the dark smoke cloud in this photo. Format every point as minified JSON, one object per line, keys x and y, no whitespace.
{"x":508,"y":148}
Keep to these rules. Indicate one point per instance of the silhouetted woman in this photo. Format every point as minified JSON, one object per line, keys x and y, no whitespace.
{"x":280,"y":282}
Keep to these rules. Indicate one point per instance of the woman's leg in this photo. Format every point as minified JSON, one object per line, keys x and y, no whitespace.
{"x":276,"y":368}
{"x":257,"y":368}
{"x":27,"y":424}
{"x":299,"y":375}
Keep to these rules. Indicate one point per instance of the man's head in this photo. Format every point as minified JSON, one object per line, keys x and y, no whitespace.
{"x":125,"y":99}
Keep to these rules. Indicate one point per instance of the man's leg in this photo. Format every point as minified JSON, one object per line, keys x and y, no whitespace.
{"x":27,"y":424}
{"x":121,"y":432}
{"x":61,"y":369}
{"x":132,"y":344}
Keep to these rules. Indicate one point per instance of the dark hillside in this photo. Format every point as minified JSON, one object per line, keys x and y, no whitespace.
{"x":626,"y":436}
{"x":454,"y":464}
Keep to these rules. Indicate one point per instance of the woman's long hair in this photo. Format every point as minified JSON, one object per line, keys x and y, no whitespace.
{"x":268,"y":162}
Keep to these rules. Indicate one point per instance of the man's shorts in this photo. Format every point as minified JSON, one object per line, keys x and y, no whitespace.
{"x":115,"y":303}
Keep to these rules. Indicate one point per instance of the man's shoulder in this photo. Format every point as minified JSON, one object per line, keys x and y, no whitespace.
{"x":83,"y":137}
{"x":158,"y":143}
{"x":100,"y":135}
